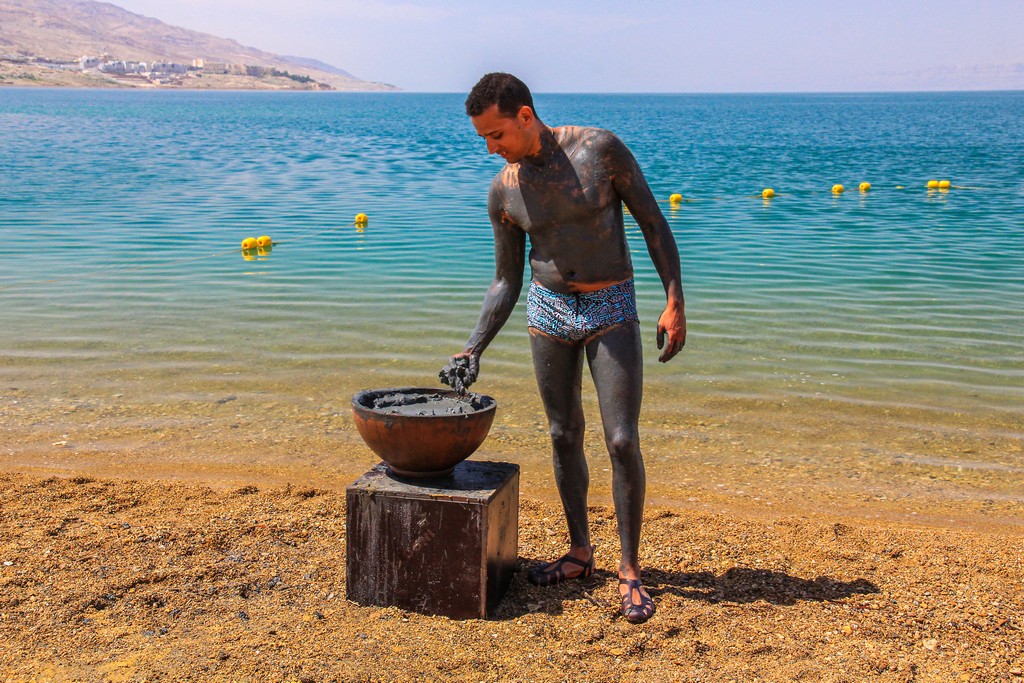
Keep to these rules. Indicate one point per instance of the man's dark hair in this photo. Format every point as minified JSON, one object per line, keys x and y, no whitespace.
{"x":504,"y":90}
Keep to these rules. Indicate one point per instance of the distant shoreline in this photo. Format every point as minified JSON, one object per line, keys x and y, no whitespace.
{"x":13,"y":74}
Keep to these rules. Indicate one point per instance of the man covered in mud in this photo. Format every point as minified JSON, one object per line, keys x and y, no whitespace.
{"x":564,"y":188}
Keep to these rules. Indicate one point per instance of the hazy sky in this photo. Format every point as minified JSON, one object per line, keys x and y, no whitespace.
{"x":634,"y":45}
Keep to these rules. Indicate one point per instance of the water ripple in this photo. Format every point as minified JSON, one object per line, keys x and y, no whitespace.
{"x":122,"y":215}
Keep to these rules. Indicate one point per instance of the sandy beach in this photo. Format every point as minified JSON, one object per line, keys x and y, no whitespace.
{"x":119,"y":580}
{"x":205,"y":540}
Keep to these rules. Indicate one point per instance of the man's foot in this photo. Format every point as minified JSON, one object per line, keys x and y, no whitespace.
{"x":550,"y":574}
{"x":637,"y":605}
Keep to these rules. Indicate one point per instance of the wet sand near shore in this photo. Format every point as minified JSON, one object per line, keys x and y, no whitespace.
{"x":707,"y":452}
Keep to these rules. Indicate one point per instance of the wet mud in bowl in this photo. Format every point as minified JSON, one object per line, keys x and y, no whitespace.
{"x":432,"y":404}
{"x":422,"y":433}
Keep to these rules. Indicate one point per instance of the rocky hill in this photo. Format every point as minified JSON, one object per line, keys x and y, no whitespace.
{"x":70,"y":29}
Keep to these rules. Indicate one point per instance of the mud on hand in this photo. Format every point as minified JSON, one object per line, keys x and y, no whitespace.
{"x":460,"y":372}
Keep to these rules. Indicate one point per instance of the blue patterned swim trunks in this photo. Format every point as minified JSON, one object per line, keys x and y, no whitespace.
{"x":576,"y":317}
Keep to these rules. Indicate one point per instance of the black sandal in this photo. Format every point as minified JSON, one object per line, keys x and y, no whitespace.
{"x":636,"y":613}
{"x":553,"y":573}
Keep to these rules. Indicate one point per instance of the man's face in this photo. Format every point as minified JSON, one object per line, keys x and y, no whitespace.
{"x":507,"y":136}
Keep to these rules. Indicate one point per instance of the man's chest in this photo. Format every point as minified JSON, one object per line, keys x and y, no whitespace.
{"x":569,"y":195}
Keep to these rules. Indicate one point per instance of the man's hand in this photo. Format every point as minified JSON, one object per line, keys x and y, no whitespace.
{"x":461,"y":371}
{"x":673,"y":323}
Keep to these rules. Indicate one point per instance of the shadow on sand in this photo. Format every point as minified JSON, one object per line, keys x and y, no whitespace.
{"x":741,"y":585}
{"x":745,"y":585}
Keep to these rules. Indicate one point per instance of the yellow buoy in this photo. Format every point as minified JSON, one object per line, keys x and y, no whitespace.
{"x":264,"y":241}
{"x":900,"y":187}
{"x":933,"y":184}
{"x":675,"y":198}
{"x":767,"y":193}
{"x":944,"y":184}
{"x":864,"y":187}
{"x":249,"y":243}
{"x":838,"y":189}
{"x":362,"y":219}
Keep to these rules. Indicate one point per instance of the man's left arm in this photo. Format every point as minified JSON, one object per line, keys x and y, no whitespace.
{"x":630,"y":184}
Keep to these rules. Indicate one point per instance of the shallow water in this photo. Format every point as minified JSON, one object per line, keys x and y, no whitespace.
{"x":875,"y":318}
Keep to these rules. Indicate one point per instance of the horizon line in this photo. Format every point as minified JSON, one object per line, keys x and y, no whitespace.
{"x":402,"y":91}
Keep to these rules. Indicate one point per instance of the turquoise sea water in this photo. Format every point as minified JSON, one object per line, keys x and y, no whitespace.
{"x":121,"y":214}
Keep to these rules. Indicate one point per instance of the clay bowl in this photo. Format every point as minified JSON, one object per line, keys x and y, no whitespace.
{"x":422,"y":433}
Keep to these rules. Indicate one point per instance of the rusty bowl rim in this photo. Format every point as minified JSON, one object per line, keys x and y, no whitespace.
{"x":365,"y":411}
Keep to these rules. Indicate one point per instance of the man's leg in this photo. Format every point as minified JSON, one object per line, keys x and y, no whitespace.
{"x":558,"y":366}
{"x":616,"y":363}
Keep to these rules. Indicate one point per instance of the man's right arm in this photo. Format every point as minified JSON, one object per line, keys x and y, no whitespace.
{"x":502,"y":295}
{"x":509,"y":259}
